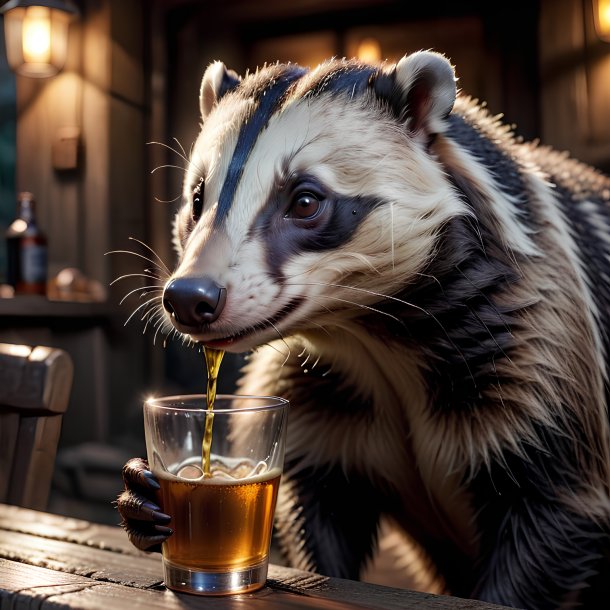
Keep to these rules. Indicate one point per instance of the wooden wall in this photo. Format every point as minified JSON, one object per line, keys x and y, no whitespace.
{"x":95,"y":208}
{"x":575,"y":82}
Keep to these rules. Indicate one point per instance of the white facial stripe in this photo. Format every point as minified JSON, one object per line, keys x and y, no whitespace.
{"x":514,"y":233}
{"x":325,"y":140}
{"x":214,"y":148}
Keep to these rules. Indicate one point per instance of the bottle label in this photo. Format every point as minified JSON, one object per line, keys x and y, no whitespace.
{"x":33,"y":263}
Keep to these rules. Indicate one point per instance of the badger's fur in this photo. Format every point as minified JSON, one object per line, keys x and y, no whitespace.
{"x":431,"y":295}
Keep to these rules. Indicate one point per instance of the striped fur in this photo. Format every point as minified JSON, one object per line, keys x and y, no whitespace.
{"x":439,"y":325}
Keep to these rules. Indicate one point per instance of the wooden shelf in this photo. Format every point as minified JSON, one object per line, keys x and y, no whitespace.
{"x":40,"y":307}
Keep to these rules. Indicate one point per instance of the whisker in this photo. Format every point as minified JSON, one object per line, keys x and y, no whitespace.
{"x":362,"y":306}
{"x":371,"y":292}
{"x":140,"y":256}
{"x":162,"y":325}
{"x":310,"y":321}
{"x":177,"y":141}
{"x":169,"y":166}
{"x":432,"y":277}
{"x":122,"y":277}
{"x":133,"y":313}
{"x":141,"y":288}
{"x":155,"y":313}
{"x":182,"y":155}
{"x":152,"y":310}
{"x":152,"y":251}
{"x":178,"y":196}
{"x":398,"y":300}
{"x":275,"y":328}
{"x":169,"y":336}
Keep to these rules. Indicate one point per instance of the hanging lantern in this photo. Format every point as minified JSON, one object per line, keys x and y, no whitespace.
{"x":36,"y":35}
{"x":601,"y":15}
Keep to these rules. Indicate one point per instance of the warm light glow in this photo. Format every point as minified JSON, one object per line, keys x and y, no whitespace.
{"x":37,"y":35}
{"x":602,"y":19}
{"x":369,"y":50}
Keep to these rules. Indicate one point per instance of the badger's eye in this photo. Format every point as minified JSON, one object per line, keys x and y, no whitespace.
{"x":197,"y":201}
{"x":305,"y":206}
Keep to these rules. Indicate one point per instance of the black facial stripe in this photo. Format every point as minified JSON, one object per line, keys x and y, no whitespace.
{"x":503,"y":169}
{"x":389,"y":93}
{"x":353,"y":79}
{"x":285,"y":237}
{"x":269,"y":100}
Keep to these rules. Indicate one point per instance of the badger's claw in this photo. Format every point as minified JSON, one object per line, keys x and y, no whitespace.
{"x":136,"y":475}
{"x":142,"y":519}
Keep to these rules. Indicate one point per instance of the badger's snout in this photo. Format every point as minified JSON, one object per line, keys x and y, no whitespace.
{"x":193,"y":302}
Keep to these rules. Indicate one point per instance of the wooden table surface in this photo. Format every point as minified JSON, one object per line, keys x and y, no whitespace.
{"x":52,"y":562}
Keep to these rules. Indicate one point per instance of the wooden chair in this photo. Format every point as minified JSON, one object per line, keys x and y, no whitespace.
{"x":35,"y":384}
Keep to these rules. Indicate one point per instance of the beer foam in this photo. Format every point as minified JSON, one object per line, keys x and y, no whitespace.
{"x":222,"y":471}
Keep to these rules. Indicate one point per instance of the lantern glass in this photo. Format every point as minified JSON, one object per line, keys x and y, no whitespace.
{"x":36,"y":40}
{"x":601,"y":13}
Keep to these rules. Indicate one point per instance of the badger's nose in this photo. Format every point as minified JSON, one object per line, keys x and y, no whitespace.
{"x":194,"y":301}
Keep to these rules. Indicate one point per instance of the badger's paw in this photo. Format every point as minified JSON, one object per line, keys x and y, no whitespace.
{"x":142,"y":518}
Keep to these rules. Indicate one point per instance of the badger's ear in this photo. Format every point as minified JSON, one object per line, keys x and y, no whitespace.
{"x":422,"y":91}
{"x":217,"y":81}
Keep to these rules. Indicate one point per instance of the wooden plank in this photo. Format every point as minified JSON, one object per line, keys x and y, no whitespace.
{"x":82,"y":560}
{"x":34,"y":379}
{"x":33,"y":306}
{"x":34,"y":461}
{"x":9,"y":428}
{"x":35,"y":387}
{"x":47,"y":525}
{"x":364,"y":594}
{"x":26,"y":587}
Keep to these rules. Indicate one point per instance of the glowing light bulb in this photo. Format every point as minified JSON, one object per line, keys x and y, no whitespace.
{"x":602,"y":19}
{"x":369,"y":50}
{"x":37,"y":35}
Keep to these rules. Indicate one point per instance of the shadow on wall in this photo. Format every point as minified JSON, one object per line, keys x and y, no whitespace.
{"x":8,"y":135}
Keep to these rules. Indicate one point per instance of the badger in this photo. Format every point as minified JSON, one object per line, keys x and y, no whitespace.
{"x":431,"y":294}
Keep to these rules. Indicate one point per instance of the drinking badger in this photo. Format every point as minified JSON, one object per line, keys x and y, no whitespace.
{"x":431,"y":294}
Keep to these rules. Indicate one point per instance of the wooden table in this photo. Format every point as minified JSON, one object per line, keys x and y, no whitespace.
{"x":51,"y":562}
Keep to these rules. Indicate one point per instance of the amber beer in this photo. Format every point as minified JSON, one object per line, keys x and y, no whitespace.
{"x":221,"y":508}
{"x":219,"y":525}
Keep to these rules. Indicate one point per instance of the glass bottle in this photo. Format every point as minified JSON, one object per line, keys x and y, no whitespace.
{"x":26,"y":250}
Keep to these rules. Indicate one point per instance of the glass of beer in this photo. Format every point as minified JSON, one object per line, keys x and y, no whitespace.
{"x":222,"y":512}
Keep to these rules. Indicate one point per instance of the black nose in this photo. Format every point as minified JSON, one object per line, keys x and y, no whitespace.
{"x":193,"y":301}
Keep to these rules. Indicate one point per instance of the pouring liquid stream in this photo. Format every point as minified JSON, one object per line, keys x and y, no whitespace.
{"x":213,"y":358}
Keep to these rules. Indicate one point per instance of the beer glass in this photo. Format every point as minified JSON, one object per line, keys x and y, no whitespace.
{"x":222,"y":519}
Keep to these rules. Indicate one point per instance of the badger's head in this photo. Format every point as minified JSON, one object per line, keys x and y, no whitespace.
{"x":309,"y":196}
